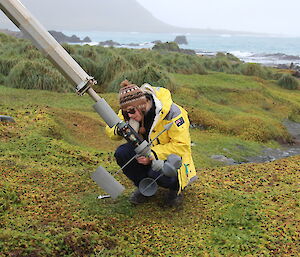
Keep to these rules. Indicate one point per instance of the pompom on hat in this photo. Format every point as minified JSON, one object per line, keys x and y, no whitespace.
{"x":131,"y":95}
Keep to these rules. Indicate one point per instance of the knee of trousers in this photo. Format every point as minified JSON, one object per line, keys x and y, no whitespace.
{"x":124,"y":152}
{"x":164,"y":181}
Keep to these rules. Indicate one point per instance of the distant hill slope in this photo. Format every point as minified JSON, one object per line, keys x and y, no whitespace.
{"x":102,"y":15}
{"x":112,"y":15}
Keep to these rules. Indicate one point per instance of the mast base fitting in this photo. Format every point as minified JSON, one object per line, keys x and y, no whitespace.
{"x":85,"y":85}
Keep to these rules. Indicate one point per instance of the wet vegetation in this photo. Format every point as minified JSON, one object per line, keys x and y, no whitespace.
{"x":110,"y":65}
{"x":49,"y":205}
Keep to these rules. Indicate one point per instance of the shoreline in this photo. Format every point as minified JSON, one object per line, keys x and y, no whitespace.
{"x":266,"y":59}
{"x":283,"y":51}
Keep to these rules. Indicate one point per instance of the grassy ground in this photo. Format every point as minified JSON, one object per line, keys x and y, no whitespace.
{"x":48,"y":204}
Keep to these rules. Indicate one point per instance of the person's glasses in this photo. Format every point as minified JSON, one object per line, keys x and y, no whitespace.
{"x":131,"y":111}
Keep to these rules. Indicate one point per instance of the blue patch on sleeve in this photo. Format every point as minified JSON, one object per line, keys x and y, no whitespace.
{"x":179,"y":122}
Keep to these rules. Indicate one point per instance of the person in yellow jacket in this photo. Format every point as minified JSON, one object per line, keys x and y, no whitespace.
{"x":147,"y":109}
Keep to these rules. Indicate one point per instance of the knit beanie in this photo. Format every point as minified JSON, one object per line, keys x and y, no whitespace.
{"x":131,"y":95}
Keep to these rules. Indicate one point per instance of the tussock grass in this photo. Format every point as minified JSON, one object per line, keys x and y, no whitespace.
{"x":221,"y":65}
{"x":108,"y":64}
{"x":71,"y":49}
{"x":237,"y":105}
{"x":168,"y":46}
{"x":6,"y":38}
{"x":33,"y":54}
{"x":2,"y":79}
{"x":113,"y":66}
{"x":6,"y":64}
{"x":254,"y":69}
{"x":89,"y":52}
{"x":37,"y":75}
{"x":287,"y":81}
{"x":138,"y":59}
{"x":152,"y":74}
{"x":90,"y":66}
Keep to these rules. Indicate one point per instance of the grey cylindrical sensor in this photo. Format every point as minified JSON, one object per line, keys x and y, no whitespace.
{"x":173,"y":163}
{"x":107,"y":182}
{"x":148,"y":186}
{"x":106,"y":113}
{"x":143,"y":149}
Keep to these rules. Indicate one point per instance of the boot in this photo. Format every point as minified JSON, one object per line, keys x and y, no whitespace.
{"x":137,"y":197}
{"x":173,"y":199}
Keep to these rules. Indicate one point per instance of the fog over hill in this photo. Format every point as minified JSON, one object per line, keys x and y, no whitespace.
{"x":102,"y":15}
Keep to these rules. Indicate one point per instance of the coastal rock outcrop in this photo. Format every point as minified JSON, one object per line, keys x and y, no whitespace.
{"x":59,"y":36}
{"x":156,"y":42}
{"x":62,"y":38}
{"x":109,"y":43}
{"x":181,"y":40}
{"x":172,"y":47}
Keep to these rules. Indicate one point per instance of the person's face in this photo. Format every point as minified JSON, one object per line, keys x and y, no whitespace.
{"x":134,"y":113}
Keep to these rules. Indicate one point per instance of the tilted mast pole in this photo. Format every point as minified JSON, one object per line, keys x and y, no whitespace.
{"x":44,"y":41}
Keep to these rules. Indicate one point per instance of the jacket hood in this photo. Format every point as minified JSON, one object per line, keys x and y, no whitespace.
{"x":163,"y":96}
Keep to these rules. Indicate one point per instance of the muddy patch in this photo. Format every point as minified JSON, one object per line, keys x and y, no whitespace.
{"x":270,"y":154}
{"x":286,"y":150}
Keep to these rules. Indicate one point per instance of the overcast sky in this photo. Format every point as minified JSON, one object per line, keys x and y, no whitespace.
{"x":270,"y":16}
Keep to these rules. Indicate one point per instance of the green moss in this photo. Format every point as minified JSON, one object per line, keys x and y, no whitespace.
{"x":51,"y":205}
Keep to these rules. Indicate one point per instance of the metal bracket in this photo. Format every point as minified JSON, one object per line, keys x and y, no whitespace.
{"x":85,"y":85}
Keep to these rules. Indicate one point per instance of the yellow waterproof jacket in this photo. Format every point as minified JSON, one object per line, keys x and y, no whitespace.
{"x":174,"y":141}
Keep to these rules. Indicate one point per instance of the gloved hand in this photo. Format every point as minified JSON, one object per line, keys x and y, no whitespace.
{"x":144,"y":160}
{"x":157,"y":165}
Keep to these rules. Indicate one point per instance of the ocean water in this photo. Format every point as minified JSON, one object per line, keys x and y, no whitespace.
{"x":267,"y":50}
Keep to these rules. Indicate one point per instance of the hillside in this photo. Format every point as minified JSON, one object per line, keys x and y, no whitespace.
{"x":101,"y":15}
{"x":49,"y":205}
{"x":113,"y":15}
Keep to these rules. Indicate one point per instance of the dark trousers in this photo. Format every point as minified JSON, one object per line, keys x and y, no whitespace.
{"x":136,"y":171}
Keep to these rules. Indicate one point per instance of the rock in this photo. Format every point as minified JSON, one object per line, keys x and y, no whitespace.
{"x":74,"y":39}
{"x":62,"y":38}
{"x":296,"y":74}
{"x":285,"y":154}
{"x":197,"y":126}
{"x":4,"y":118}
{"x":86,"y":40}
{"x":271,"y":158}
{"x":181,"y":40}
{"x":133,"y":44}
{"x":156,"y":42}
{"x":172,"y":47}
{"x":224,"y":159}
{"x":109,"y":43}
{"x":283,"y":66}
{"x":59,"y":36}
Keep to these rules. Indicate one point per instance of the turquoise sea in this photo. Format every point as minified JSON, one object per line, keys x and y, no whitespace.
{"x":261,"y":49}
